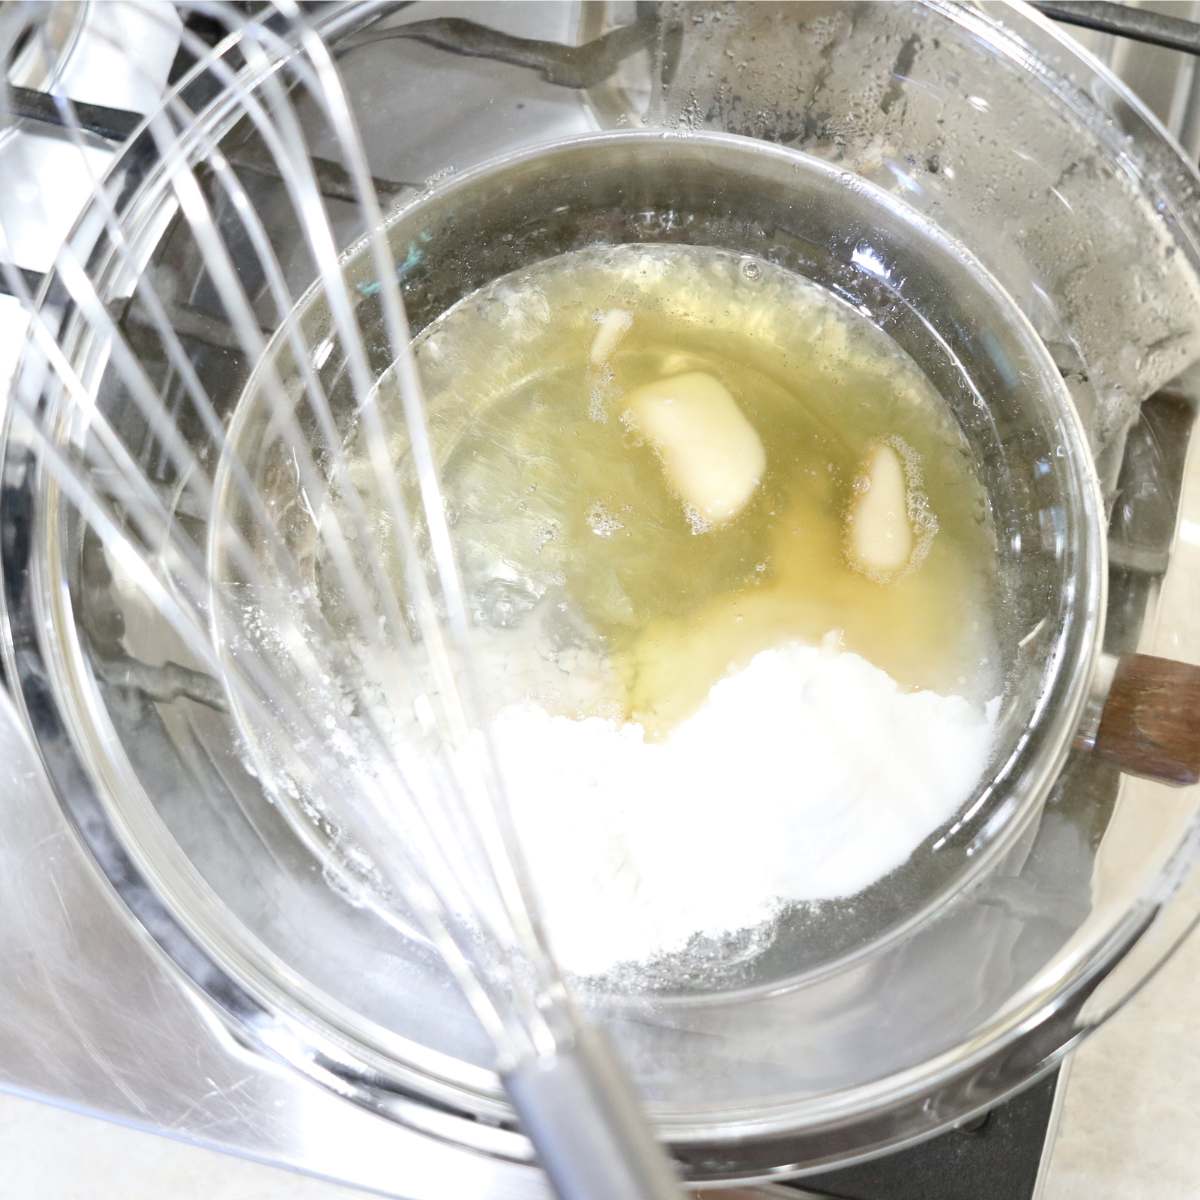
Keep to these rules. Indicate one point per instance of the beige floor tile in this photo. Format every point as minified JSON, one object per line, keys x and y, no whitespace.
{"x":1129,"y":1114}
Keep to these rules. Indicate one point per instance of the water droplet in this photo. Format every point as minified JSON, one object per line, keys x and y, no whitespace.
{"x":699,"y":523}
{"x":601,"y":522}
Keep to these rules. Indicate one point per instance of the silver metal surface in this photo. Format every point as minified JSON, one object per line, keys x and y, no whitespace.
{"x":1166,"y":80}
{"x":94,"y":1018}
{"x":1052,"y":1126}
{"x":42,"y":60}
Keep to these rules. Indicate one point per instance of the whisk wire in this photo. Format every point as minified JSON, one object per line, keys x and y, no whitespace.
{"x":321,"y":707}
{"x":154,"y":520}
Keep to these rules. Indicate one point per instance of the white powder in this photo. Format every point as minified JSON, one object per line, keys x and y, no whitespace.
{"x":807,"y":775}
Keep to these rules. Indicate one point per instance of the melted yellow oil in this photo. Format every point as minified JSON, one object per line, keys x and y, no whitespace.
{"x":559,"y":503}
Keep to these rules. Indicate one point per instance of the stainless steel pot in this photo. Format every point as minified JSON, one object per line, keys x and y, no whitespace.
{"x":910,"y":1024}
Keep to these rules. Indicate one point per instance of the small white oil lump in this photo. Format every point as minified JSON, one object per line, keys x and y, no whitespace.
{"x":614,"y":325}
{"x":879,"y":534}
{"x":711,"y":455}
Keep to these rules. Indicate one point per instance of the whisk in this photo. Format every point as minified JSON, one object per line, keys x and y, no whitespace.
{"x":373,"y":720}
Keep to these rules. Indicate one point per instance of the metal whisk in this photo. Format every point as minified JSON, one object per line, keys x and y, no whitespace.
{"x":372,"y":718}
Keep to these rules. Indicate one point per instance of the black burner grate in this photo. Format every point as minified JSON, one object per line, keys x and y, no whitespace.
{"x":996,"y":1158}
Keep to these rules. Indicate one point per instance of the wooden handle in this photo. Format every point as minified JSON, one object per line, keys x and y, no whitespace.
{"x":1150,"y":725}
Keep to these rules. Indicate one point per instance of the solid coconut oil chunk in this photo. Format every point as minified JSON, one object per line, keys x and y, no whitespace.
{"x":880,"y":541}
{"x":712,"y":457}
{"x":733,"y":583}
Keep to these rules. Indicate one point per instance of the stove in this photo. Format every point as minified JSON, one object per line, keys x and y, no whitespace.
{"x":75,"y":967}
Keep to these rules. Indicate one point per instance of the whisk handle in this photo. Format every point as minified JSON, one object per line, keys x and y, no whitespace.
{"x":581,"y":1113}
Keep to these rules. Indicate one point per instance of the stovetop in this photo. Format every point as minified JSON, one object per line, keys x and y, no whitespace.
{"x":998,"y":1156}
{"x":92,"y":1018}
